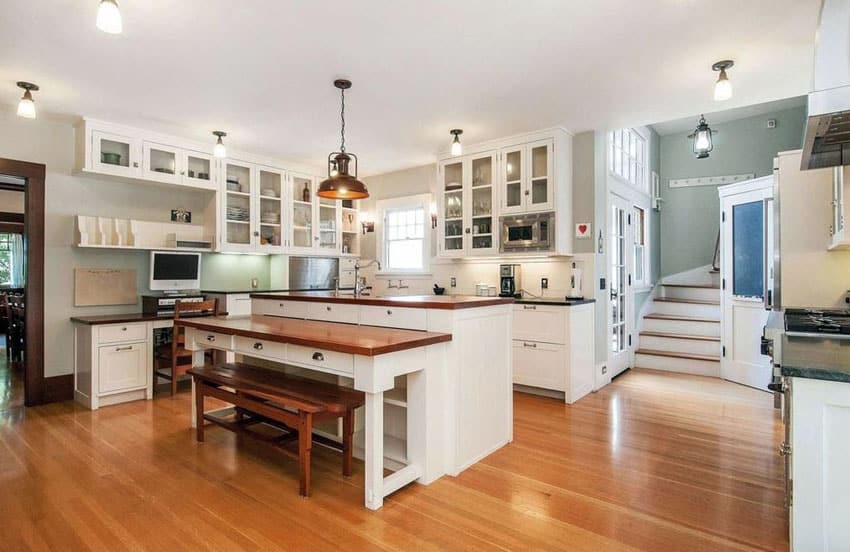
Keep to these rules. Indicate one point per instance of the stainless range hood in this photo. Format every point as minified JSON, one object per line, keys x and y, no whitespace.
{"x":827,"y":141}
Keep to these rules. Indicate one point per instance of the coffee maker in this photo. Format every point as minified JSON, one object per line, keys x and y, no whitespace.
{"x":509,"y":280}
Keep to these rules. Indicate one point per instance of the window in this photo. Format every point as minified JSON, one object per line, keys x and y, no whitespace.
{"x":6,"y":258}
{"x":404,"y":234}
{"x":627,"y":155}
{"x":641,"y":259}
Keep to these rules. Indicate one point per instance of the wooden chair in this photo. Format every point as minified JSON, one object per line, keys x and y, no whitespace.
{"x":173,"y":359}
{"x":6,"y":323}
{"x":16,"y":341}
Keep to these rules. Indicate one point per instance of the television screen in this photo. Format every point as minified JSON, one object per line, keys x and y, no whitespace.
{"x":174,"y":266}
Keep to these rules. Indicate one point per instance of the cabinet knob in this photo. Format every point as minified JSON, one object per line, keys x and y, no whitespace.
{"x":527,"y":192}
{"x":124,"y":329}
{"x":210,"y":338}
{"x":258,"y":346}
{"x":329,"y":309}
{"x":389,"y":311}
{"x":135,"y":164}
{"x":318,"y":356}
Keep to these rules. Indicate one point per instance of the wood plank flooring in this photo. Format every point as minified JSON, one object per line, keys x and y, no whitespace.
{"x":654,"y":461}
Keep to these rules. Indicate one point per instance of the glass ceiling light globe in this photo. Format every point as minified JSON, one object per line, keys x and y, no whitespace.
{"x":26,"y":107}
{"x":723,"y":88}
{"x":457,"y":149}
{"x":702,"y":142}
{"x":109,"y":17}
{"x":219,"y":150}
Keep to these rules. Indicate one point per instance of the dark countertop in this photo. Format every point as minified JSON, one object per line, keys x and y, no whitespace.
{"x":334,"y":336}
{"x":449,"y":302}
{"x":814,"y":358}
{"x":554,"y":301}
{"x":234,"y":291}
{"x":128,"y":317}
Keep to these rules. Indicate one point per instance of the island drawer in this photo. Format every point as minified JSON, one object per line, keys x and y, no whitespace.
{"x":333,"y":312}
{"x":272,"y":307}
{"x":213,"y":340}
{"x":341,"y":363}
{"x":544,"y":323}
{"x":393,"y":317}
{"x":260,"y":347}
{"x":120,"y":333}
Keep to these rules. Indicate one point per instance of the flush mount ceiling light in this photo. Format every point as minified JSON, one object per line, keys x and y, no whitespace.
{"x":109,"y":17}
{"x":26,"y":107}
{"x":219,"y":150}
{"x":457,"y":148}
{"x":702,"y":139}
{"x":341,"y":184}
{"x":723,"y":86}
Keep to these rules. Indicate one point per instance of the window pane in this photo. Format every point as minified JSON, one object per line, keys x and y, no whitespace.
{"x":405,"y":255}
{"x":748,"y":249}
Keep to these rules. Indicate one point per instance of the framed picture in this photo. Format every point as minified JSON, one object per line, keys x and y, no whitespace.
{"x":181,"y":215}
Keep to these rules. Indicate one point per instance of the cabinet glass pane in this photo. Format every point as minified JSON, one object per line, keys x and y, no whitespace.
{"x":513,"y":179}
{"x":453,"y":176}
{"x":162,"y":161}
{"x":302,"y":190}
{"x":539,"y":161}
{"x":301,"y":237}
{"x":539,"y":191}
{"x":114,"y":153}
{"x":454,"y":244}
{"x":238,"y":179}
{"x":482,"y":171}
{"x":454,"y":205}
{"x":513,"y":194}
{"x":327,"y":223}
{"x":748,"y":249}
{"x":271,"y":208}
{"x":198,"y":167}
{"x":482,"y":219}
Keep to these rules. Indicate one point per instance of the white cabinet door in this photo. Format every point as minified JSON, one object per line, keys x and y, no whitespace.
{"x":513,"y":179}
{"x":482,"y":175}
{"x":270,"y":220}
{"x":122,"y":367}
{"x":541,"y":365}
{"x":544,"y":323}
{"x":115,"y":154}
{"x":239,"y":304}
{"x":301,"y":222}
{"x":198,"y":170}
{"x":238,"y":207}
{"x":161,"y":163}
{"x":451,"y":208}
{"x":537,"y":195}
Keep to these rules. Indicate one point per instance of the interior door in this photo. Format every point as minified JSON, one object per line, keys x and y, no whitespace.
{"x":620,"y":254}
{"x":745,"y":221}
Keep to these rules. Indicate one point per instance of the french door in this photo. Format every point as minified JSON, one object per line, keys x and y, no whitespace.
{"x":621,"y":297}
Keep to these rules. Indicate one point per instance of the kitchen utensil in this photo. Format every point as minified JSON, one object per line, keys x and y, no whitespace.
{"x":439,"y":290}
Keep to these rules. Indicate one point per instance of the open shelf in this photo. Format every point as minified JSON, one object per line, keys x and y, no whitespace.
{"x":118,"y":233}
{"x":396,"y":396}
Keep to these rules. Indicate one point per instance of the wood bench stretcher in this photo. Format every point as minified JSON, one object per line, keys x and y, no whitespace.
{"x":290,"y":403}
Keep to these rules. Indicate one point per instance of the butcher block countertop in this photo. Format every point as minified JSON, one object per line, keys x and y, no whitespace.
{"x":333,"y":336}
{"x":449,"y":302}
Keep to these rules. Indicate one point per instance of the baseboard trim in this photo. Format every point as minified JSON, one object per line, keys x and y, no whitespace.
{"x":59,"y":388}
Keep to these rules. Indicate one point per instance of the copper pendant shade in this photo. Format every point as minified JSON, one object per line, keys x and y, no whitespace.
{"x":341,"y":183}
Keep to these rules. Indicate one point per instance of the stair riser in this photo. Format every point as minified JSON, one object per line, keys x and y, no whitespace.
{"x":681,"y":365}
{"x":688,"y":309}
{"x":673,"y":345}
{"x":681,"y":327}
{"x":693,"y":294}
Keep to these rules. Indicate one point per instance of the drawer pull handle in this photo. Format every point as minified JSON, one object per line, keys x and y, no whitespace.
{"x":210,"y":338}
{"x":329,"y":309}
{"x":389,"y":311}
{"x":529,"y":307}
{"x":532,"y":345}
{"x":281,"y":305}
{"x":318,"y":356}
{"x":258,"y":346}
{"x":127,"y":348}
{"x":124,"y":329}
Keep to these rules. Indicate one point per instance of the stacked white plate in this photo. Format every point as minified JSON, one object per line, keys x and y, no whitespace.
{"x":270,"y":217}
{"x":237,"y":213}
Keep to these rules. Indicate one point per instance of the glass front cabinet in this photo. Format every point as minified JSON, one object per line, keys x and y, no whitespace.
{"x":239,"y":217}
{"x":527,"y":178}
{"x":466,"y":206}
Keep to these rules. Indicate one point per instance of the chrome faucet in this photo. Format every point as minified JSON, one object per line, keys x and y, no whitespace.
{"x":360,"y":286}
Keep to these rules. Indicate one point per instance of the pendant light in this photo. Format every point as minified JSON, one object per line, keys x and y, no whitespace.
{"x":702,"y":139}
{"x":219,"y":150}
{"x":457,"y":148}
{"x":723,"y":86}
{"x":109,"y":17}
{"x":341,"y":184}
{"x":26,"y":107}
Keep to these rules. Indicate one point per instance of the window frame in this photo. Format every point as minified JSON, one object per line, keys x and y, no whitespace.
{"x":640,"y":157}
{"x":384,"y":207}
{"x":640,"y":226}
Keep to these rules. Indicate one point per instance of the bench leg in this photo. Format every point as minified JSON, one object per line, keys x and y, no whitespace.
{"x":305,"y":442}
{"x":347,"y":441}
{"x":199,"y":409}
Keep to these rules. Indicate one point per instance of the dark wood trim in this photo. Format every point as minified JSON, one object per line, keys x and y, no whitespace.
{"x":11,"y":228}
{"x":34,"y":382}
{"x":15,"y":218}
{"x":59,"y":388}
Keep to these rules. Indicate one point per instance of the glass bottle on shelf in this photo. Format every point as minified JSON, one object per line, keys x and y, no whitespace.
{"x":305,"y":193}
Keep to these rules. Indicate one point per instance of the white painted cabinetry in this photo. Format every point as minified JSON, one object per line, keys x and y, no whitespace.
{"x":527,"y":183}
{"x":553,"y":348}
{"x":468,"y":205}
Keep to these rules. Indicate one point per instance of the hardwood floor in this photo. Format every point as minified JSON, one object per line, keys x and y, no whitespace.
{"x":11,"y":381}
{"x":654,"y":461}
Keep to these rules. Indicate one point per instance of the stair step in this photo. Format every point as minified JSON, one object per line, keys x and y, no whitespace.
{"x":662,"y":316}
{"x":689,"y":356}
{"x":688,"y":301}
{"x":681,"y":336}
{"x":697,"y":286}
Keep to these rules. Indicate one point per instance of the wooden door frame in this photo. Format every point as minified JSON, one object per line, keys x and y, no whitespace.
{"x":37,"y":389}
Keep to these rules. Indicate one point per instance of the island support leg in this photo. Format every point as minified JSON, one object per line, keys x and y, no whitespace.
{"x":374,"y":450}
{"x":197,"y":360}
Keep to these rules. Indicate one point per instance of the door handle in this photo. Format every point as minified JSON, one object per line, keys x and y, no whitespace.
{"x":258,"y":346}
{"x":318,"y":356}
{"x":127,"y":348}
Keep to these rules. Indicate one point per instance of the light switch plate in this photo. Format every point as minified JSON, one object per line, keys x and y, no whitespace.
{"x":544,"y":283}
{"x":453,"y":281}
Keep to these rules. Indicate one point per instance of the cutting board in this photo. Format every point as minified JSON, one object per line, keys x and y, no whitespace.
{"x":104,"y":286}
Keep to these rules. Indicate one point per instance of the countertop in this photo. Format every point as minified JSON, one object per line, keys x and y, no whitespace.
{"x":554,"y":301}
{"x":233,"y":291}
{"x":129,"y":317}
{"x":334,"y":336}
{"x":448,"y":302}
{"x":809,"y":357}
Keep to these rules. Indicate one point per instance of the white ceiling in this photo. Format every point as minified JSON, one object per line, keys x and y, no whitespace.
{"x":262,"y":69}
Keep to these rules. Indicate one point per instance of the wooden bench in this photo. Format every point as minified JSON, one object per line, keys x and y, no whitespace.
{"x":290,"y":403}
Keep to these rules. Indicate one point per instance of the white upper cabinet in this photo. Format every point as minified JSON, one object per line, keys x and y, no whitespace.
{"x":239,"y":215}
{"x":113,"y":154}
{"x":162,"y":163}
{"x":302,"y":201}
{"x":270,"y":212}
{"x":467,"y":205}
{"x":198,"y":170}
{"x":527,"y":177}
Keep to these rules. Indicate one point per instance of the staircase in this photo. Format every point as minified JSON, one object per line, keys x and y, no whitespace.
{"x":682,"y":333}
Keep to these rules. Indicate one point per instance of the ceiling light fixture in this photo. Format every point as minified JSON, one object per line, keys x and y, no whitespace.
{"x":26,"y":107}
{"x":702,"y":139}
{"x":219,"y":150}
{"x":723,"y":86}
{"x":109,"y":17}
{"x":340,"y":184}
{"x":457,"y":148}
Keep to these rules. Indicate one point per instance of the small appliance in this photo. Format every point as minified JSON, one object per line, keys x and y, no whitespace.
{"x":528,"y":232}
{"x":509,"y":280}
{"x":173,"y":272}
{"x":575,"y":283}
{"x":163,"y":305}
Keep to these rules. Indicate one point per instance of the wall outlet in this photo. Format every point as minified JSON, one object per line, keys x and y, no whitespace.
{"x":604,"y":370}
{"x":453,"y":282}
{"x":771,"y":123}
{"x":544,"y":283}
{"x":602,"y":283}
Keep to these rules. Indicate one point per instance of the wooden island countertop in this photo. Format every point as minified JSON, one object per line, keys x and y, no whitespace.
{"x":334,"y":336}
{"x":448,"y":302}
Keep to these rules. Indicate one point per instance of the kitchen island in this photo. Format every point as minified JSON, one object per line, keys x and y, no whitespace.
{"x":431,"y":409}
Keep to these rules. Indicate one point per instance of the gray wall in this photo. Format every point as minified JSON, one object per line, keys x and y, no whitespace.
{"x":690,"y":216}
{"x":584,"y":202}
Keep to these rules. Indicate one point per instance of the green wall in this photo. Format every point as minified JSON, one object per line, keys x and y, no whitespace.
{"x":690,"y":216}
{"x":227,"y":272}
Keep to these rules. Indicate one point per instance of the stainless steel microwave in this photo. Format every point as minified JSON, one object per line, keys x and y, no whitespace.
{"x":535,"y":232}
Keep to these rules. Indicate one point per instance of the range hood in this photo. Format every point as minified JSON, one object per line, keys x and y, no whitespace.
{"x":827,"y":141}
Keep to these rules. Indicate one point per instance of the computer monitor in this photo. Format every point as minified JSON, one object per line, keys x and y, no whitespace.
{"x":175,"y":271}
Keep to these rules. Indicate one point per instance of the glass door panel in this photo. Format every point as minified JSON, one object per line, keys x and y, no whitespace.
{"x":540,"y":175}
{"x":114,"y":154}
{"x":513,"y":179}
{"x":748,"y":249}
{"x":198,"y":169}
{"x":238,"y":213}
{"x":618,"y":279}
{"x":482,"y":203}
{"x":453,"y":206}
{"x":302,"y":211}
{"x":271,"y":208}
{"x":327,"y":223}
{"x":160,"y":162}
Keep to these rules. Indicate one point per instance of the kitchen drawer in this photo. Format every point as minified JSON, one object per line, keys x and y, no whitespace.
{"x":347,"y":263}
{"x":545,"y":323}
{"x":260,"y":347}
{"x":238,"y":304}
{"x":213,"y":340}
{"x":122,"y":333}
{"x":346,"y":278}
{"x":122,"y":367}
{"x":272,"y":307}
{"x":333,"y":312}
{"x":393,"y":317}
{"x":541,"y":365}
{"x":332,"y":361}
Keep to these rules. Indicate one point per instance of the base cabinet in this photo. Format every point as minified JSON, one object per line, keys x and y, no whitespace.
{"x":122,"y":367}
{"x":540,"y":365}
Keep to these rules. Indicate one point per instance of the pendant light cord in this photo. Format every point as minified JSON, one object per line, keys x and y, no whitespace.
{"x":342,"y":126}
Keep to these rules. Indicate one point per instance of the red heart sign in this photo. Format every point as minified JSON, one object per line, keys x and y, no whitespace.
{"x":582,"y":228}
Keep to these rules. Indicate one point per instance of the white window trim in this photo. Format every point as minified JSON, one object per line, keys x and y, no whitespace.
{"x":407,"y":202}
{"x":642,"y":132}
{"x":646,"y":284}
